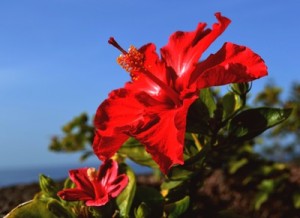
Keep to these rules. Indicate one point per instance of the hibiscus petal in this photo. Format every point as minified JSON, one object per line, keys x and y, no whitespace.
{"x":166,"y":149}
{"x":231,"y":64}
{"x":113,"y":118}
{"x":81,"y":180}
{"x":153,"y":64}
{"x":106,"y":146}
{"x":98,"y":202}
{"x":117,"y":186}
{"x":184,"y":49}
{"x":108,"y":172}
{"x":109,"y":115}
{"x":74,"y":194}
{"x":100,"y":190}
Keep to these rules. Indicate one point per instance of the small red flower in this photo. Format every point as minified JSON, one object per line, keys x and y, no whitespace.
{"x":94,"y":187}
{"x":153,"y":106}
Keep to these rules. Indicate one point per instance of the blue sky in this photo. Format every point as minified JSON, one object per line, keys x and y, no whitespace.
{"x":55,"y":61}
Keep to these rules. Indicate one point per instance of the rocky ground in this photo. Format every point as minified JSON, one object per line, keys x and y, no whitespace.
{"x":217,"y":194}
{"x":11,"y":196}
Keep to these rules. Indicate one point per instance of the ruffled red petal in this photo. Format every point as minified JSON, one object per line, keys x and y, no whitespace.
{"x":111,"y":112}
{"x":231,"y":64}
{"x":106,"y":146}
{"x":108,"y":172}
{"x":80,"y":178}
{"x":184,"y":49}
{"x":114,"y":117}
{"x":164,"y":139}
{"x":117,"y":186}
{"x":74,"y":194}
{"x":98,"y":202}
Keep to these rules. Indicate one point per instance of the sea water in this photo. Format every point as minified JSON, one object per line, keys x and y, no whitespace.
{"x":28,"y":175}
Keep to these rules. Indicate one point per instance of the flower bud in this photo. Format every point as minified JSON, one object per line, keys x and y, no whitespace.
{"x":241,"y":88}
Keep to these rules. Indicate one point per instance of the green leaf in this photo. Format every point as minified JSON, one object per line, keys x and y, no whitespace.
{"x":207,"y":98}
{"x":56,"y":208}
{"x":261,"y":198}
{"x":177,"y":208}
{"x":231,"y":102}
{"x":152,"y":198}
{"x":86,"y":155}
{"x":174,"y":190}
{"x":149,"y":195}
{"x":48,"y":186}
{"x":252,"y":122}
{"x":190,"y":166}
{"x":143,"y":211}
{"x":200,"y":113}
{"x":170,"y":184}
{"x":198,"y":118}
{"x":241,"y":88}
{"x":32,"y":209}
{"x":296,"y":200}
{"x":135,"y":151}
{"x":266,"y":188}
{"x":236,"y":165}
{"x":68,"y":184}
{"x":179,"y":173}
{"x":124,"y":200}
{"x":77,"y":135}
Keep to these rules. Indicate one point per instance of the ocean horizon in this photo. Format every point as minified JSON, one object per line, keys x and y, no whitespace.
{"x":28,"y":175}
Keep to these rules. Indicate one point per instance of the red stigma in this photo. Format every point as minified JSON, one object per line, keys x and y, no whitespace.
{"x":114,"y":43}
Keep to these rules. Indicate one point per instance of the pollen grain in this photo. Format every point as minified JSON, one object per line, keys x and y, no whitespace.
{"x":132,"y":62}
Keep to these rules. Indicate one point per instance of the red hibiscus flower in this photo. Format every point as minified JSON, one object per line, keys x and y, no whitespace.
{"x":95,"y":187}
{"x":153,"y":106}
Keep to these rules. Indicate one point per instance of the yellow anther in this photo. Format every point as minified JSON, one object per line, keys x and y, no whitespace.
{"x":132,"y":62}
{"x":91,"y":173}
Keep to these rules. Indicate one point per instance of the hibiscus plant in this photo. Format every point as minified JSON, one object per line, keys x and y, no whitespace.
{"x":168,"y":118}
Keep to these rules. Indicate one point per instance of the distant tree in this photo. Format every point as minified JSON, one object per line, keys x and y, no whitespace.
{"x":281,"y":143}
